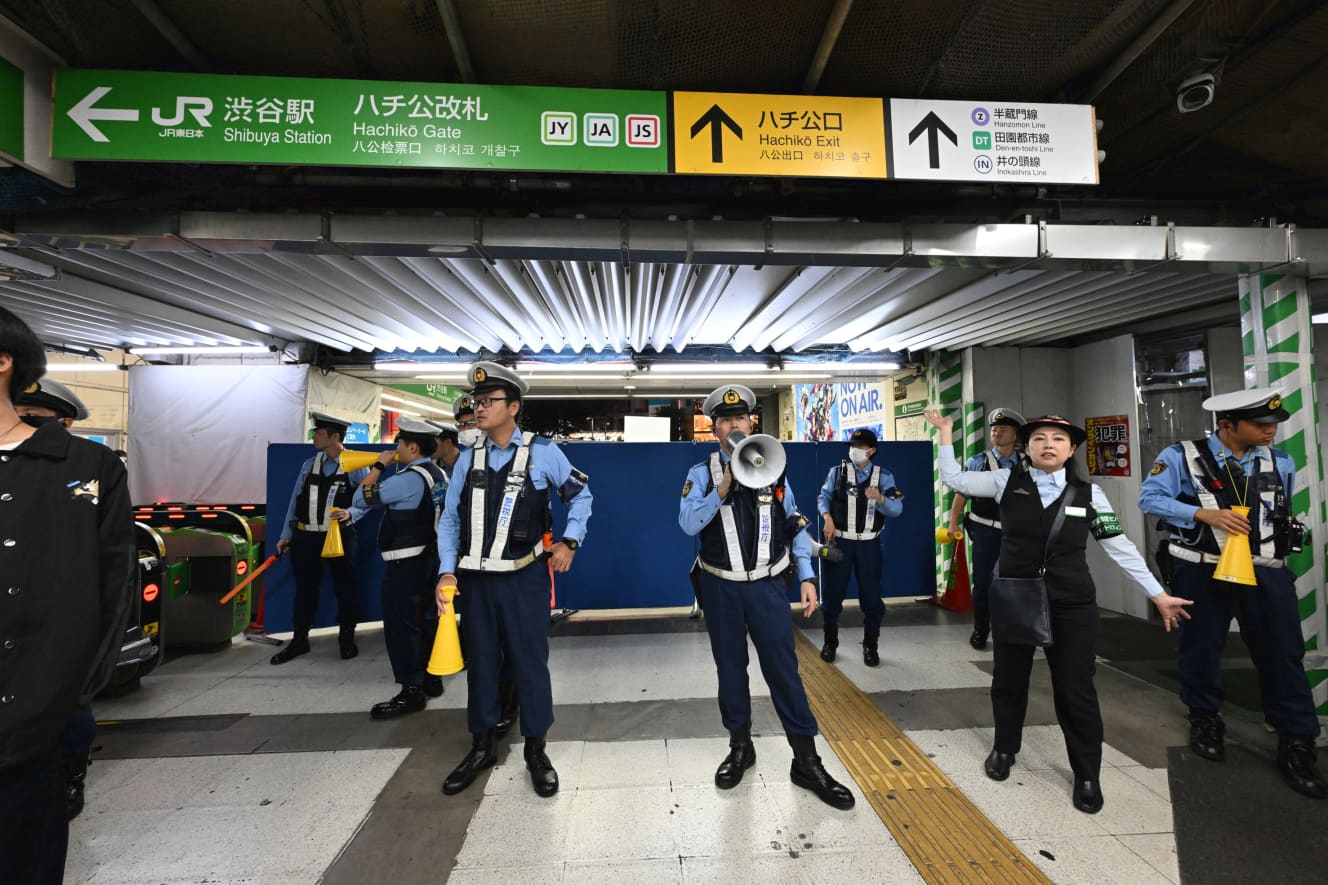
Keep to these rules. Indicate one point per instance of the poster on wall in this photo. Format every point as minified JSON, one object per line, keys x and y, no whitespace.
{"x":910,"y":425}
{"x":1108,"y":445}
{"x":826,"y":412}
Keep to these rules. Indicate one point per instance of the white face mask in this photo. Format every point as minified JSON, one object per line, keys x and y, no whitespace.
{"x":859,"y":456}
{"x":468,"y":437}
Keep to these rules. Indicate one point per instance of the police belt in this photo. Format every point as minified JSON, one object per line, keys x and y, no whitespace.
{"x":402,"y":552}
{"x":1199,"y":556}
{"x":504,"y":565}
{"x":858,"y":536}
{"x":312,"y":527}
{"x":982,"y":520}
{"x":774,"y":568}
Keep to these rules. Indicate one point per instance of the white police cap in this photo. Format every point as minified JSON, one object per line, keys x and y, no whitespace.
{"x":487,"y":376}
{"x":323,"y":419}
{"x":1263,"y":405}
{"x":444,"y":427}
{"x":463,"y":406}
{"x":730,"y":399}
{"x":1007,"y":417}
{"x":415,"y":427}
{"x":48,"y":393}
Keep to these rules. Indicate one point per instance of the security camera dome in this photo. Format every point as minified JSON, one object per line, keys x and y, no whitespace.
{"x":1196,"y":93}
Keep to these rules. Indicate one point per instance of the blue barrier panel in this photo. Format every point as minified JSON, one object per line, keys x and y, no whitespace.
{"x":635,"y":554}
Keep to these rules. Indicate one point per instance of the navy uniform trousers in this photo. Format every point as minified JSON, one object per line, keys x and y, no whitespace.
{"x":732,"y":610}
{"x":865,"y":559}
{"x":406,"y":583}
{"x":1269,"y":617}
{"x":505,"y":623}
{"x":34,"y":820}
{"x":986,"y":553}
{"x":307,"y":563}
{"x":1072,"y":659}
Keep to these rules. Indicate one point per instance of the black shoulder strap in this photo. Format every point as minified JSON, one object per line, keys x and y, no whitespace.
{"x":1075,"y":490}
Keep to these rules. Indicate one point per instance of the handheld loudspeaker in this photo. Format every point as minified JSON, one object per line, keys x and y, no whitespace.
{"x":945,"y":536}
{"x":446,"y":658}
{"x":1236,"y":564}
{"x":332,"y":543}
{"x":350,"y":461}
{"x":758,"y":460}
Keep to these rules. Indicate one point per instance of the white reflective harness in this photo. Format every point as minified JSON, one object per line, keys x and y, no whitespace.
{"x":992,"y":464}
{"x":1207,"y":500}
{"x":311,"y":505}
{"x":869,"y":530}
{"x":765,"y":527}
{"x":408,"y":552}
{"x":474,"y":559}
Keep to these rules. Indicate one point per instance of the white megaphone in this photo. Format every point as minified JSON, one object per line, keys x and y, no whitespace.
{"x":758,"y":460}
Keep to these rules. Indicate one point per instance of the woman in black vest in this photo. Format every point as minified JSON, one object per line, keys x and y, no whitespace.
{"x":1031,"y":495}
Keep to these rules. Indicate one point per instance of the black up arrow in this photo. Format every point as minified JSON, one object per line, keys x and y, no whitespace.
{"x":933,"y":126}
{"x":716,"y":119}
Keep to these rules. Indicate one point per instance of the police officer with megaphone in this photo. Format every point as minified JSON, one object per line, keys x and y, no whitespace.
{"x":740,"y":504}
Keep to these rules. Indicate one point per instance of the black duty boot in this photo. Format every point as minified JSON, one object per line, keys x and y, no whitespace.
{"x":76,"y":774}
{"x":542,"y":775}
{"x":508,"y":706}
{"x":1206,"y":731}
{"x":1088,"y":796}
{"x":870,"y":656}
{"x":409,"y":700}
{"x":299,"y":645}
{"x":480,"y":757}
{"x":742,"y":756}
{"x":998,"y":765}
{"x":346,"y":639}
{"x":981,"y":630}
{"x":831,"y":643}
{"x":808,"y":772}
{"x":1296,"y":758}
{"x":432,"y":685}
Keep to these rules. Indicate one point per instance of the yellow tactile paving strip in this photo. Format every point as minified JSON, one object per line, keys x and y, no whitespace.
{"x":942,"y":832}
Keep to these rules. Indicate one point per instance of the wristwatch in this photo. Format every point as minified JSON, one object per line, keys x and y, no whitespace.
{"x":571,"y":543}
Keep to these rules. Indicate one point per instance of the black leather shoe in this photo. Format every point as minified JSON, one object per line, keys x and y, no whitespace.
{"x":870,"y":656}
{"x":296,"y":647}
{"x":998,"y":765}
{"x":1296,"y":759}
{"x":76,"y":774}
{"x":1206,"y":731}
{"x":807,"y":772}
{"x":508,"y":707}
{"x":432,"y":686}
{"x":410,"y":700}
{"x":742,"y":756}
{"x":1088,"y":796}
{"x":349,"y":649}
{"x":542,"y":775}
{"x":831,"y":643}
{"x":480,"y":757}
{"x":981,"y":630}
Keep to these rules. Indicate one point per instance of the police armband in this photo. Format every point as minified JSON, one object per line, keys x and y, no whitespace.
{"x":794,"y":523}
{"x":373,"y":494}
{"x":576,"y":481}
{"x":892,"y":492}
{"x":1105,"y":525}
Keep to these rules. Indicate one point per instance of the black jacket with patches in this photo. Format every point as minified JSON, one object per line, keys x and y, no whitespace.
{"x":68,"y":571}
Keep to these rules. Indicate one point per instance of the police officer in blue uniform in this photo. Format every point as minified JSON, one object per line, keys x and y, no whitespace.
{"x":750,"y":539}
{"x":1192,"y":488}
{"x":854,"y":503}
{"x":490,"y":548}
{"x":983,"y":523}
{"x":410,"y":493}
{"x":323,"y":492}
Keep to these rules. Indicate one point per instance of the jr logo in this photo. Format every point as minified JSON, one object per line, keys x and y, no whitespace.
{"x":199,"y":106}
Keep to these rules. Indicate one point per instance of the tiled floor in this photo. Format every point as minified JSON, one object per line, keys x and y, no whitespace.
{"x":641,"y":809}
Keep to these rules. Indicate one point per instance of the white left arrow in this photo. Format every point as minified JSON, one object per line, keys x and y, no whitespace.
{"x":84,"y":113}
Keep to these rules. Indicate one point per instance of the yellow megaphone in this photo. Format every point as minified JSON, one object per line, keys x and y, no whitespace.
{"x":945,"y":536}
{"x":1236,"y":565}
{"x":446,"y":658}
{"x":332,"y":543}
{"x":351,"y":461}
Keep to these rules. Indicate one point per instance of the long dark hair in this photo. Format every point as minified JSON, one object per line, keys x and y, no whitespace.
{"x":17,"y":340}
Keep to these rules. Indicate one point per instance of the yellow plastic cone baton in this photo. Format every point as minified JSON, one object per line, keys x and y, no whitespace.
{"x":446,"y":658}
{"x":944,"y":536}
{"x":1236,"y":564}
{"x":332,"y":543}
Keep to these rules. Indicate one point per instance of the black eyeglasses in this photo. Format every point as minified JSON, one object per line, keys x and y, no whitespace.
{"x":488,"y":401}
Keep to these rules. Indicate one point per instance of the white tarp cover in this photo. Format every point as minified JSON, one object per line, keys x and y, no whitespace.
{"x":353,"y":399}
{"x":199,"y":434}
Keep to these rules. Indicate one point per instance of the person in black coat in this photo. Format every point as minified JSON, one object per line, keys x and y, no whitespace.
{"x":67,"y":576}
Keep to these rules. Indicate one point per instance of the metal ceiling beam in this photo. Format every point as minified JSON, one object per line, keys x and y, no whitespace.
{"x":829,"y":37}
{"x":173,"y":35}
{"x":456,"y":39}
{"x":1138,"y":46}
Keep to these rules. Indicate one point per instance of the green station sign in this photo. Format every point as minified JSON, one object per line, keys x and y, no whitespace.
{"x":11,"y":110}
{"x":207,"y":118}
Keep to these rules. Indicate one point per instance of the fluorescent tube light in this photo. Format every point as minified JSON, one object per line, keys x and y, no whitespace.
{"x":220,"y":350}
{"x":83,"y":367}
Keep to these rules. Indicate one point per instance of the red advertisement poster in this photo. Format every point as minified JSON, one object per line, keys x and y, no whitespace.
{"x":1108,"y":445}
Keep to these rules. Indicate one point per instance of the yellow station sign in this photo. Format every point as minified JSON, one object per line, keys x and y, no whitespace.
{"x":725,"y":133}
